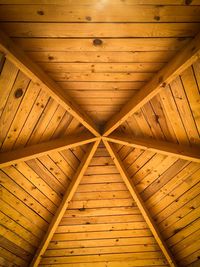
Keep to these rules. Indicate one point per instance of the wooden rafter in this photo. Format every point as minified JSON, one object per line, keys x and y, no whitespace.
{"x":65,"y":201}
{"x":172,"y":69}
{"x":33,"y":151}
{"x":184,"y":152}
{"x":37,"y":75}
{"x":141,"y":205}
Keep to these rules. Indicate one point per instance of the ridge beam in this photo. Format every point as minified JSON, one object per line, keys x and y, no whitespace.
{"x":191,"y":153}
{"x":34,"y":151}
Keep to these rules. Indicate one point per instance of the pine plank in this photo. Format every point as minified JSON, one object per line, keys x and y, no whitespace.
{"x":105,"y":30}
{"x":84,"y":11}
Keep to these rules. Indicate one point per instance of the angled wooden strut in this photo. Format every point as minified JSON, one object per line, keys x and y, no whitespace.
{"x":37,"y":75}
{"x":141,"y":205}
{"x":190,"y":153}
{"x":65,"y":201}
{"x":170,"y":71}
{"x":33,"y":151}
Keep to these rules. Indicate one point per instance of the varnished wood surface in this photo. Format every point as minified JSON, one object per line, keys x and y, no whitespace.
{"x":101,"y":54}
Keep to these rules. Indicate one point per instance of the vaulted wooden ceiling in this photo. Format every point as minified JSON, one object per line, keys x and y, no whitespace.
{"x":99,"y":133}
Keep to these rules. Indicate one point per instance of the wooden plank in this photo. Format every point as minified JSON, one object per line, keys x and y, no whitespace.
{"x":25,"y":222}
{"x":156,"y":171}
{"x":161,"y":118}
{"x":58,"y":185}
{"x":177,"y":65}
{"x":103,"y":257}
{"x":61,"y":210}
{"x":13,"y":103}
{"x":100,"y":250}
{"x":38,"y":182}
{"x":87,"y":11}
{"x":192,"y":227}
{"x":130,"y":241}
{"x":12,"y":257}
{"x":118,"y":263}
{"x":105,"y":30}
{"x":179,"y":220}
{"x":98,"y":77}
{"x":38,"y":150}
{"x":169,"y":201}
{"x":130,"y":185}
{"x":24,"y":209}
{"x":185,"y":111}
{"x":103,"y":86}
{"x":18,"y":57}
{"x":31,"y":108}
{"x":7,"y":79}
{"x":31,"y":200}
{"x":164,"y":179}
{"x":28,"y":238}
{"x":192,"y":91}
{"x":94,"y":2}
{"x":6,"y":244}
{"x":101,"y":67}
{"x":113,"y":44}
{"x":101,"y":212}
{"x":166,"y":148}
{"x":101,"y":227}
{"x":172,"y":114}
{"x":16,"y":239}
{"x":101,"y":203}
{"x":102,"y":57}
{"x":20,"y":116}
{"x":175,"y":182}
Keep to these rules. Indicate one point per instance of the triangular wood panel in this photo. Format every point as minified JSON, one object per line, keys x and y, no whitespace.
{"x":99,"y":133}
{"x":103,"y":224}
{"x":31,"y":192}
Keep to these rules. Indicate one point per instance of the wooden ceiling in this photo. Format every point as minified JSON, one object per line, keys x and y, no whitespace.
{"x":99,"y":133}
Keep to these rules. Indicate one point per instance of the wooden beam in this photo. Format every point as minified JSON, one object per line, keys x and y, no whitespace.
{"x":170,"y":149}
{"x":34,"y":151}
{"x":64,"y":204}
{"x":169,"y":72}
{"x":37,"y":75}
{"x":141,"y":205}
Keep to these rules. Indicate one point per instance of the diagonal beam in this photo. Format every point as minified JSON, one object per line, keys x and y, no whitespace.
{"x":37,"y":75}
{"x":169,"y":72}
{"x":34,"y":151}
{"x":170,"y":149}
{"x":63,"y":206}
{"x":141,"y":205}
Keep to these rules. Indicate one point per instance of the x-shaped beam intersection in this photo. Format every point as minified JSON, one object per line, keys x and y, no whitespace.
{"x":183,"y":59}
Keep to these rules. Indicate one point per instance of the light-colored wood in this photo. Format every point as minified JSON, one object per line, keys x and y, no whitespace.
{"x":61,"y":210}
{"x":7,"y":79}
{"x":104,"y":257}
{"x":105,"y":30}
{"x":101,"y":67}
{"x":93,"y":11}
{"x":38,"y":150}
{"x":101,"y":57}
{"x":130,"y":241}
{"x":130,"y":185}
{"x":178,"y":64}
{"x":18,"y":57}
{"x":112,"y":45}
{"x":100,"y":250}
{"x":89,"y":2}
{"x":98,"y":77}
{"x":191,"y":153}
